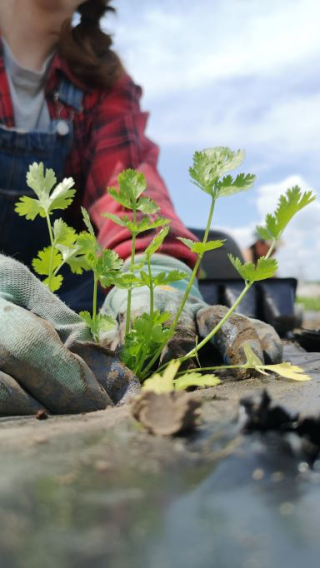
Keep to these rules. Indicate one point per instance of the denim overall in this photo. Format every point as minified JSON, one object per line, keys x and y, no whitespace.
{"x":20,"y":238}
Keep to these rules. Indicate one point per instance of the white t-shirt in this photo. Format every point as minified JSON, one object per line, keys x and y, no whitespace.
{"x":27,"y":93}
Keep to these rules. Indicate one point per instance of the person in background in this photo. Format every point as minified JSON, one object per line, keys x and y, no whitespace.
{"x":67,"y":101}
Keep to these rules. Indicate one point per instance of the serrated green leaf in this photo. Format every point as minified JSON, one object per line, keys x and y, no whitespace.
{"x":288,"y":205}
{"x":201,"y":248}
{"x":87,"y":243}
{"x":105,"y":322}
{"x":162,"y":383}
{"x":63,"y":234}
{"x":229,"y":186}
{"x":156,"y":242}
{"x":288,"y":371}
{"x":55,"y":283}
{"x":147,"y":206}
{"x":41,"y":264}
{"x":165,"y":278}
{"x":158,"y":334}
{"x":119,"y":198}
{"x":62,"y":195}
{"x":210,"y":164}
{"x":188,"y":242}
{"x":75,"y":260}
{"x":127,"y":280}
{"x":115,"y":218}
{"x":265,"y":268}
{"x":86,"y":316}
{"x":29,"y":208}
{"x":132,"y":184}
{"x":40,"y":180}
{"x":87,"y":221}
{"x":146,"y":224}
{"x":196,"y":380}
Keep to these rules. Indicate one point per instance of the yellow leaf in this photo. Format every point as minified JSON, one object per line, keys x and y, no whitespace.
{"x":162,"y":383}
{"x":288,"y":371}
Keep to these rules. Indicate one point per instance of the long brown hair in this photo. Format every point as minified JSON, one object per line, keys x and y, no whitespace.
{"x":87,"y":49}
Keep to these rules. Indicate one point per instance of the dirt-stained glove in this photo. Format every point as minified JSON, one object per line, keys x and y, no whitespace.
{"x":47,"y":355}
{"x":197,"y":319}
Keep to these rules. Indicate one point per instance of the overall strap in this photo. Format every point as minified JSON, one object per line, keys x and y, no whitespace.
{"x":70,"y":95}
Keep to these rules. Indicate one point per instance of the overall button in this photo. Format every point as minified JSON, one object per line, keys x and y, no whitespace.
{"x":62,"y":128}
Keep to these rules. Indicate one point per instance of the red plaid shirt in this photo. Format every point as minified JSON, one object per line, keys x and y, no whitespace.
{"x":109,"y":136}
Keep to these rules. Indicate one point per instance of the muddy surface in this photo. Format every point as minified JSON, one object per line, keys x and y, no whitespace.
{"x":97,"y":490}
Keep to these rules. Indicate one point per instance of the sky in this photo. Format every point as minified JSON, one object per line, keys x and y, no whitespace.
{"x":237,"y":73}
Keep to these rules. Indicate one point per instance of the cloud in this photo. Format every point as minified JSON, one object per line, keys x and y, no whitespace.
{"x":241,"y":73}
{"x":298,"y":256}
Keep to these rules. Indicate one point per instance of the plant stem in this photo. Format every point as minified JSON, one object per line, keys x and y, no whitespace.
{"x":51,"y":252}
{"x":247,"y":287}
{"x":147,"y":341}
{"x":94,"y":300}
{"x":187,"y":292}
{"x":194,"y":351}
{"x":133,"y":251}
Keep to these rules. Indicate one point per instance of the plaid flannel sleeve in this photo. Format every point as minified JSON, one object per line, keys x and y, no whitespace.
{"x":119,"y":142}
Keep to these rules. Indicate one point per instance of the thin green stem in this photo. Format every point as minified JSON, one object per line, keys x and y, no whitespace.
{"x":186,"y":294}
{"x":247,"y":287}
{"x":151,"y":288}
{"x":94,"y":300}
{"x":194,"y":351}
{"x":51,"y":262}
{"x":133,"y":252}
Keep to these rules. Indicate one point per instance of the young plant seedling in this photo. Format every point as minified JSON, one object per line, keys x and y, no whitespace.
{"x":63,"y":248}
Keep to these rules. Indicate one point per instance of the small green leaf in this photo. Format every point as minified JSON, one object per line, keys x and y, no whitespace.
{"x":127,"y":281}
{"x":87,"y":221}
{"x":115,"y":218}
{"x":41,"y":182}
{"x":41,"y":264}
{"x":132,"y":184}
{"x":188,"y":242}
{"x":146,"y":224}
{"x":63,"y":234}
{"x":55,"y":283}
{"x":29,"y":208}
{"x":156,"y":242}
{"x":162,"y":383}
{"x":265,"y":268}
{"x":147,"y":206}
{"x":62,"y":195}
{"x":210,"y":164}
{"x":165,"y":278}
{"x":229,"y":186}
{"x":105,"y":323}
{"x":86,"y":316}
{"x":201,"y":248}
{"x":196,"y":380}
{"x":288,"y":205}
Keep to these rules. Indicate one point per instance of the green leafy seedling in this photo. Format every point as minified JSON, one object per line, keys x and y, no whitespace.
{"x":63,"y":248}
{"x":105,"y":265}
{"x":131,"y":186}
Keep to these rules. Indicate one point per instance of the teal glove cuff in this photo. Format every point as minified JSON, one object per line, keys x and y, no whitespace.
{"x":115,"y":302}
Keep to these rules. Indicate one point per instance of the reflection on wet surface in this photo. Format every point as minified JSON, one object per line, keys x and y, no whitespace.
{"x":256,"y":508}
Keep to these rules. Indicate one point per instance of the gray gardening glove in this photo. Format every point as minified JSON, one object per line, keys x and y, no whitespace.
{"x":47,"y":355}
{"x":197,"y":319}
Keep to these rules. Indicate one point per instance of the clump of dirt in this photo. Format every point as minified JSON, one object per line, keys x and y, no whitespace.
{"x":167,"y":414}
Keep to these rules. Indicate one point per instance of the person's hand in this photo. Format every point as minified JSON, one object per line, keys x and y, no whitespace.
{"x":197,"y":320}
{"x":47,"y":356}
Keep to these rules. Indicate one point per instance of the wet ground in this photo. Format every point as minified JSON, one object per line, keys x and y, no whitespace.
{"x":96,"y":490}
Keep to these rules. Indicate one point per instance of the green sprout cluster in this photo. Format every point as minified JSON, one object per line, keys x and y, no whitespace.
{"x":147,"y":335}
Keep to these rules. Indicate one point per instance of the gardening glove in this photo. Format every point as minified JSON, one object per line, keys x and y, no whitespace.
{"x":197,"y":319}
{"x":47,"y":355}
